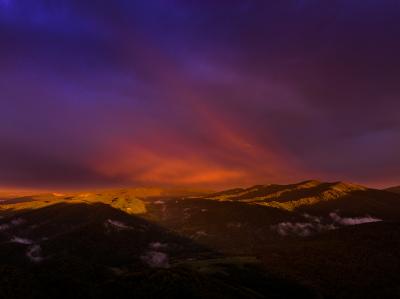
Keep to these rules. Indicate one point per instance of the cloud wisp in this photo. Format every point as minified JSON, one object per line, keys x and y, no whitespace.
{"x":315,"y":225}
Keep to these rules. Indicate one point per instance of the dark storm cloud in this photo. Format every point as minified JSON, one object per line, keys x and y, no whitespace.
{"x":214,"y":92}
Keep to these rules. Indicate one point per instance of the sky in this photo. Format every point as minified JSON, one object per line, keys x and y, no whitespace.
{"x":201,"y":94}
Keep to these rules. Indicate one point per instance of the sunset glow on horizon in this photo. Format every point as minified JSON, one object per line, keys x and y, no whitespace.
{"x":199,"y":94}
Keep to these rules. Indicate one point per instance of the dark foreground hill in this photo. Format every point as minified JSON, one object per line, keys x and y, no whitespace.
{"x":304,"y":240}
{"x":83,"y":250}
{"x":394,"y":189}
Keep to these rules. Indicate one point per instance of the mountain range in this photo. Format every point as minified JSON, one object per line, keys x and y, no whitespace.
{"x":305,"y":240}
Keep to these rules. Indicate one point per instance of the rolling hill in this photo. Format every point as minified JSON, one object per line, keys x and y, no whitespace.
{"x":93,"y":250}
{"x":265,"y":241}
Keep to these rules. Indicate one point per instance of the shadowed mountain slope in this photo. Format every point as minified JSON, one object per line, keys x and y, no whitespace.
{"x":394,"y":189}
{"x":360,"y":261}
{"x":237,"y":243}
{"x":92,"y":250}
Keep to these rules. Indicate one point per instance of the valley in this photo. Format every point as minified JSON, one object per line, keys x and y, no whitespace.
{"x":312,"y":239}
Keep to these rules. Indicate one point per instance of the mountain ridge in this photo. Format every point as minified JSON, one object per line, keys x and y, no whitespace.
{"x":132,"y":236}
{"x":306,"y":194}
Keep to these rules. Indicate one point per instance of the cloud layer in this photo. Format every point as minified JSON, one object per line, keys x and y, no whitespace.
{"x":198,"y":93}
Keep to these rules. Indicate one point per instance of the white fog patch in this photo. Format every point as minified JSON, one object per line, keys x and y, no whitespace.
{"x":199,"y":234}
{"x":186,"y":213}
{"x":352,"y":220}
{"x":21,"y":241}
{"x":313,"y":224}
{"x":4,"y":226}
{"x":302,"y":229}
{"x":13,"y":223}
{"x":156,"y":259}
{"x":17,"y":221}
{"x":159,"y":202}
{"x":234,"y":225}
{"x":158,"y":245}
{"x":116,"y":225}
{"x":34,"y":253}
{"x":312,"y":218}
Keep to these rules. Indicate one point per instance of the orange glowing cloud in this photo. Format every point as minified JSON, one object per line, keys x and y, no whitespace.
{"x":162,"y":154}
{"x":145,"y":166}
{"x":163,"y":157}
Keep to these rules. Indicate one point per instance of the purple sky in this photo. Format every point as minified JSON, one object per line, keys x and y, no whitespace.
{"x":198,"y":93}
